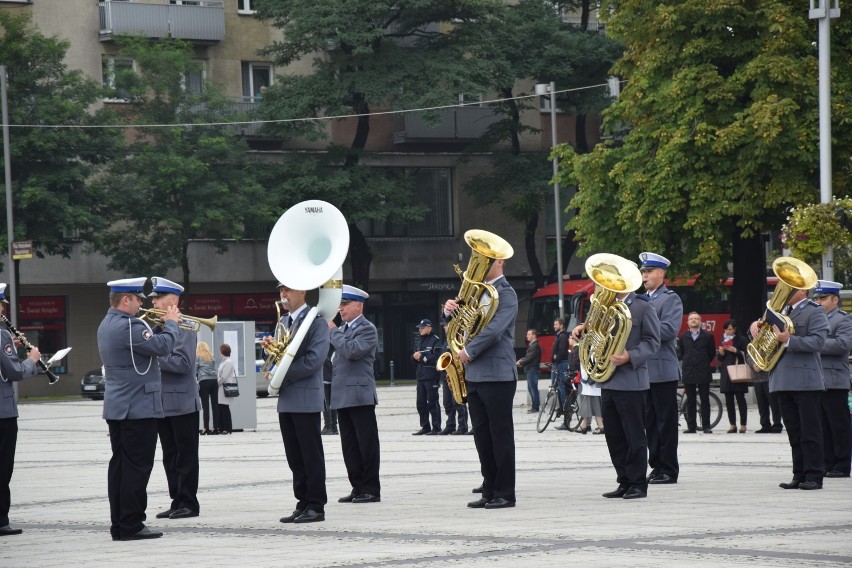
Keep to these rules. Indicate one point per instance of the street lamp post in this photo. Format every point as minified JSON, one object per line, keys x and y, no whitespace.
{"x":820,"y":11}
{"x":543,"y":89}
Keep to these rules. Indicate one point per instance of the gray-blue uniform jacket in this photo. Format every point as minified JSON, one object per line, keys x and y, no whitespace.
{"x":180,"y":391}
{"x":642,"y":343}
{"x":301,"y":390}
{"x":129,"y":351}
{"x":799,"y":368}
{"x":492,"y":352}
{"x":11,"y":369}
{"x":663,"y":365}
{"x":835,"y":351}
{"x":353,"y":382}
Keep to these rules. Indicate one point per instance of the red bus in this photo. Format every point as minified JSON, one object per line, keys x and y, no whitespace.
{"x":713,"y":305}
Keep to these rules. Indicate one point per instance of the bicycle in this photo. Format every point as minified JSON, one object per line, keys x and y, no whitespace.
{"x":551,"y":409}
{"x":715,"y":408}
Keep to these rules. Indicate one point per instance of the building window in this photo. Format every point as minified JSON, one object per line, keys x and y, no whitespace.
{"x":112,"y":69}
{"x":244,"y":7}
{"x":433,"y":189}
{"x":193,"y":81}
{"x":256,"y":78}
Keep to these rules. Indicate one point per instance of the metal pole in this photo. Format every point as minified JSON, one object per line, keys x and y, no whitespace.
{"x":820,"y":11}
{"x":557,"y":209}
{"x":7,"y":167}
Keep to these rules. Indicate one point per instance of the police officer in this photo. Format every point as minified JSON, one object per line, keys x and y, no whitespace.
{"x":799,"y":382}
{"x":664,"y":372}
{"x":178,"y":429}
{"x":836,"y":430}
{"x":427,"y":350}
{"x":11,"y":369}
{"x":353,"y":395}
{"x":133,"y":402}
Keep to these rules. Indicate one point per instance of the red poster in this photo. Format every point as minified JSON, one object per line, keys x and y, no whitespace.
{"x":255,"y":305}
{"x":206,"y":305}
{"x":42,"y":307}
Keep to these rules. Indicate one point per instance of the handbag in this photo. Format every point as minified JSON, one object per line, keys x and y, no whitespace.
{"x":231,"y":390}
{"x":740,"y":373}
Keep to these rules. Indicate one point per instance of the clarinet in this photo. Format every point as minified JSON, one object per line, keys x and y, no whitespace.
{"x":51,"y":376}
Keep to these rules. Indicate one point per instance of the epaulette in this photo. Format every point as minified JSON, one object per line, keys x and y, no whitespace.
{"x":814,"y":303}
{"x":669,"y":291}
{"x":843,"y":312}
{"x":641,"y":297}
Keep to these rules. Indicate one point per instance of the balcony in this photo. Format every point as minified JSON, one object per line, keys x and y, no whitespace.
{"x":462,"y":124}
{"x":197,"y":21}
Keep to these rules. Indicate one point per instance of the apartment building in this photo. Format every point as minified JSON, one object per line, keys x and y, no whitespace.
{"x":63,"y":300}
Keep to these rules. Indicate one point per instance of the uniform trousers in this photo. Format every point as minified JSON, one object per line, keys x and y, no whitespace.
{"x":300,"y":432}
{"x":624,"y":416}
{"x":661,"y":428}
{"x":427,"y":403}
{"x":767,"y":403}
{"x":836,"y":430}
{"x":801,"y":412}
{"x":691,"y":407}
{"x":8,"y":443}
{"x":208,"y":389}
{"x":179,"y":440}
{"x":133,"y":445}
{"x":490,"y":406}
{"x":359,"y":440}
{"x":329,"y":415}
{"x":453,"y":409}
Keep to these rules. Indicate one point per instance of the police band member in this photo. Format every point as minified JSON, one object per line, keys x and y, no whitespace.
{"x":799,"y":382}
{"x":624,"y":396}
{"x":178,"y":429}
{"x":12,"y":369}
{"x":661,"y":421}
{"x":300,"y":405}
{"x":837,"y":433}
{"x":427,"y":349}
{"x":133,"y":402}
{"x":492,"y":378}
{"x":353,"y":395}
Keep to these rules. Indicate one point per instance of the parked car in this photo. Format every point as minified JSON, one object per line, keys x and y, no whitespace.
{"x":93,"y":384}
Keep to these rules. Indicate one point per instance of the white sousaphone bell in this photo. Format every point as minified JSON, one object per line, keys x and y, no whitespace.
{"x":306,"y":250}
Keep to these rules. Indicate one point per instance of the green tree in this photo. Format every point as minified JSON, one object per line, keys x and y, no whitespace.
{"x":177,"y":183}
{"x":49,"y":166}
{"x":721,"y":101}
{"x":368,"y":54}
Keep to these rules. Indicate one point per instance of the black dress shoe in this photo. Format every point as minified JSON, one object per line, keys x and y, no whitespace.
{"x":183,"y":513}
{"x":310,"y":516}
{"x":708,"y":431}
{"x":635,"y":493}
{"x":446,"y":432}
{"x":690,"y":431}
{"x":479,"y":503}
{"x":651,"y":475}
{"x":662,"y":478}
{"x":145,"y":533}
{"x":459,"y":432}
{"x":792,"y":485}
{"x":421,"y":432}
{"x":810,"y":485}
{"x":8,"y":531}
{"x":433,"y":432}
{"x":348,"y":498}
{"x":477,"y":489}
{"x":563,"y":426}
{"x":499,"y":503}
{"x":367,"y":498}
{"x":165,"y":514}
{"x":835,"y":473}
{"x":777,"y":429}
{"x":619,"y":492}
{"x":763,"y":431}
{"x":295,"y":515}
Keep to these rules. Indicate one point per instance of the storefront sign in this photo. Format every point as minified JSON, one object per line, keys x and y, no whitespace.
{"x":255,"y":305}
{"x":22,"y":249}
{"x":204,"y":305}
{"x":42,"y":307}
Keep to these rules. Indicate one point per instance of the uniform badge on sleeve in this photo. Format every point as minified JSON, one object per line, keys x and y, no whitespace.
{"x":146,"y":335}
{"x":8,"y":349}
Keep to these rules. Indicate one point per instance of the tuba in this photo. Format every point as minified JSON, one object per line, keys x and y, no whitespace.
{"x":188,"y":323}
{"x":306,"y":249}
{"x":275,"y":351}
{"x":477,"y":305}
{"x":765,"y":350}
{"x":608,"y":323}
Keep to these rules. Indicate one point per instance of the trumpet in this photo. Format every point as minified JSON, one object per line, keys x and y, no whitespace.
{"x":189,"y":323}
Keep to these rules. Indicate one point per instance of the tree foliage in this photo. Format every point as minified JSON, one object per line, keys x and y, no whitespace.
{"x":49,"y":166}
{"x":811,"y":229}
{"x":177,"y":183}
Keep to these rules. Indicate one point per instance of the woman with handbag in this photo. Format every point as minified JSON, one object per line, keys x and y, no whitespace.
{"x":227,"y":375}
{"x":732,"y":351}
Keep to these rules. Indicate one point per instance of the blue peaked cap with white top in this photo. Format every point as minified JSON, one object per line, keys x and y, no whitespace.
{"x":652,"y":260}
{"x":129,"y":286}
{"x":164,"y":286}
{"x":826,"y":288}
{"x":3,"y":293}
{"x":353,"y":294}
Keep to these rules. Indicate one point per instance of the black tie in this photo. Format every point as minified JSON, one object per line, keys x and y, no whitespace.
{"x":787,"y":310}
{"x":345,"y":327}
{"x":289,"y":322}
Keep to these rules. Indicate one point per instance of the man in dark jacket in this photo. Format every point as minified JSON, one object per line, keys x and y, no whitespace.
{"x":530,"y":363}
{"x":696,"y":349}
{"x":425,"y":356}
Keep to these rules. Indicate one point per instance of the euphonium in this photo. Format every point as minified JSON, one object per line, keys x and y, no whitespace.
{"x":275,"y":351}
{"x":478,"y":303}
{"x":608,"y":323}
{"x":189,"y":323}
{"x":765,"y":350}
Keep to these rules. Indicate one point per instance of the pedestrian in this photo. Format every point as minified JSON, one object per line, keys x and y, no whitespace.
{"x":208,"y":387}
{"x":732,"y":351}
{"x":427,"y":350}
{"x":696,"y":349}
{"x":530,"y":363}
